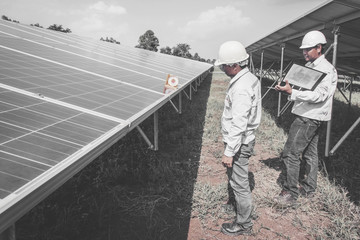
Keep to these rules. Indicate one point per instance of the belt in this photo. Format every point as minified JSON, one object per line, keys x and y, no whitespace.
{"x":305,"y":119}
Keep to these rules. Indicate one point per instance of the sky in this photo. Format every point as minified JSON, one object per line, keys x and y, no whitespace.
{"x":203,"y":24}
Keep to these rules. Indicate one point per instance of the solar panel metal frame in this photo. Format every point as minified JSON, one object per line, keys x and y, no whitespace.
{"x":326,"y":18}
{"x":19,"y":202}
{"x":338,"y":20}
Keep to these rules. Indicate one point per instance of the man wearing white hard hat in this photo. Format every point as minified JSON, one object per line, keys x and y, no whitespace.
{"x":240,"y":118}
{"x":311,"y":109}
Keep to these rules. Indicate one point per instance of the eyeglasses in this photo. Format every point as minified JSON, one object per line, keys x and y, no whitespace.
{"x":222,"y":66}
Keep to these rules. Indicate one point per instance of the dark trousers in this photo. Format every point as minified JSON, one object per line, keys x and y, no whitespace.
{"x":239,"y":182}
{"x":302,"y":143}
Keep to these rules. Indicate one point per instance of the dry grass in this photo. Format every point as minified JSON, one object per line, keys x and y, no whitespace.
{"x":131,"y":192}
{"x":339,"y":216}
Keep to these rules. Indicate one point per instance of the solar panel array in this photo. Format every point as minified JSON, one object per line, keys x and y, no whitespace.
{"x":64,"y":98}
{"x":342,"y":17}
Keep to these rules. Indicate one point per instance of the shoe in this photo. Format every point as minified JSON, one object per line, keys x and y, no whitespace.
{"x":302,"y":191}
{"x":285,"y":198}
{"x":306,"y":194}
{"x":310,"y":195}
{"x":235,"y":229}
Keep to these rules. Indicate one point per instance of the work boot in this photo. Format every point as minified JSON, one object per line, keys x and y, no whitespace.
{"x":303,"y":193}
{"x":285,"y":198}
{"x":235,"y":229}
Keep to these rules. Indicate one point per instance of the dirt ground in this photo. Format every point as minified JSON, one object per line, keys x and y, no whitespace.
{"x":271,"y":223}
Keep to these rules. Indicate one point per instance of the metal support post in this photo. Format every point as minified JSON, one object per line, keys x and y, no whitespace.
{"x":343,"y":94}
{"x":347,"y":86}
{"x":288,"y":103}
{"x":272,"y":85}
{"x":344,"y":137}
{"x":351,"y":84}
{"x":328,"y":126}
{"x":180,"y":102}
{"x":251,"y":64}
{"x":177,"y":110}
{"x":280,"y":78}
{"x":156,"y":130}
{"x":195,"y":86}
{"x":261,"y":65}
{"x":267,"y":71}
{"x":190,"y":92}
{"x":151,"y":146}
{"x":329,"y":49}
{"x":188,"y":97}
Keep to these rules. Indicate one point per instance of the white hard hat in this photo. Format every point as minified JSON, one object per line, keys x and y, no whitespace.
{"x":231,"y":52}
{"x":313,"y":38}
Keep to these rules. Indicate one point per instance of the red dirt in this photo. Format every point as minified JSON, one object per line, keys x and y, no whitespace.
{"x":271,"y":223}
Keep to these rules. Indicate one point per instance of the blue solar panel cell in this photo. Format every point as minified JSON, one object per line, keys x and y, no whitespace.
{"x":73,"y":133}
{"x":46,"y":132}
{"x":27,"y":173}
{"x":5,"y":107}
{"x":24,"y":162}
{"x":109,"y":69}
{"x":9,"y":132}
{"x":98,"y":124}
{"x":17,"y":100}
{"x":80,"y":89}
{"x":14,"y":150}
{"x":14,"y":82}
{"x":10,"y":183}
{"x":50,"y":150}
{"x":64,"y":99}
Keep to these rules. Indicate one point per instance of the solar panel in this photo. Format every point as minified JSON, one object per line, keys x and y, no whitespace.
{"x":41,"y":134}
{"x":64,"y":99}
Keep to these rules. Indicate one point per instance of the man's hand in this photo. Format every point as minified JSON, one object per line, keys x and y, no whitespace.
{"x":287,"y":88}
{"x":227,"y":161}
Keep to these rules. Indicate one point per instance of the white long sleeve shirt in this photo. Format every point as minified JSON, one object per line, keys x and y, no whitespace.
{"x":317,"y":104}
{"x":242,"y":111}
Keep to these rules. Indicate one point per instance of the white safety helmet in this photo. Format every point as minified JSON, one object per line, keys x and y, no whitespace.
{"x":231,"y":52}
{"x":313,"y":38}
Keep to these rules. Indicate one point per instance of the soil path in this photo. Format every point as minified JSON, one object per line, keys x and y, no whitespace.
{"x":271,"y":222}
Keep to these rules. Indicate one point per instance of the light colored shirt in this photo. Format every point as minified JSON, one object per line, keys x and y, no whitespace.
{"x":242,"y":111}
{"x":317,"y":104}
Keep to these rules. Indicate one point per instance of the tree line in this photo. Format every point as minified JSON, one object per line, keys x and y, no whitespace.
{"x":150,"y":42}
{"x":54,"y":27}
{"x":147,"y":41}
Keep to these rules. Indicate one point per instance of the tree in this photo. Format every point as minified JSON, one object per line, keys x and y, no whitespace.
{"x":59,"y":28}
{"x":197,"y":57}
{"x":3,"y":17}
{"x":166,"y":50}
{"x":111,"y":40}
{"x":148,"y":41}
{"x":36,"y":25}
{"x":182,"y":50}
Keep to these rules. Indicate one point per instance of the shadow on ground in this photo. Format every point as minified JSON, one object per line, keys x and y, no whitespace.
{"x":130,"y":192}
